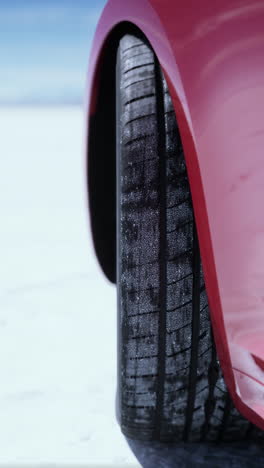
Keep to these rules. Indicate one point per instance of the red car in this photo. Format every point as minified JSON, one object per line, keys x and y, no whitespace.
{"x":175,"y":158}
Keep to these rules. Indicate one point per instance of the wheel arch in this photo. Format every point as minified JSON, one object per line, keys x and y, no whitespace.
{"x":101,"y":142}
{"x":101,"y":151}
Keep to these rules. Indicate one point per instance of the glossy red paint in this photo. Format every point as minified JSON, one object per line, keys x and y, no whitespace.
{"x":212,"y":56}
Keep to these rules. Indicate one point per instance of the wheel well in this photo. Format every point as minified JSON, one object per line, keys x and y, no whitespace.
{"x":101,"y":173}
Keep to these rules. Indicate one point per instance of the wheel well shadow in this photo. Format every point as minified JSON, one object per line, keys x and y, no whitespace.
{"x":101,"y":154}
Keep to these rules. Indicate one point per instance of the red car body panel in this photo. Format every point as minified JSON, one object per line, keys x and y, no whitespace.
{"x":211,"y":53}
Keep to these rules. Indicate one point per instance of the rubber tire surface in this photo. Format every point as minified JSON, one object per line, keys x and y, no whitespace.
{"x":170,"y":383}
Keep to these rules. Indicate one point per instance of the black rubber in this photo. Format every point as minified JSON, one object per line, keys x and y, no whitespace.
{"x":170,"y":383}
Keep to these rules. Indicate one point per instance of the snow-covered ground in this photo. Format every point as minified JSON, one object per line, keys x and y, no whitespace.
{"x":57,"y":312}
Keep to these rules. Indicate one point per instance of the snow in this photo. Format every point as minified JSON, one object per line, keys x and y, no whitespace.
{"x":57,"y":312}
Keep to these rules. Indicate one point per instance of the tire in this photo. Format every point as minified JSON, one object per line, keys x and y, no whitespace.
{"x":170,"y":383}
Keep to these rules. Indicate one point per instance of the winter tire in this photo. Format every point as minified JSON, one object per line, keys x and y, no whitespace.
{"x":170,"y":383}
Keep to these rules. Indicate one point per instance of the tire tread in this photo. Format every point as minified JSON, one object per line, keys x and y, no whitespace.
{"x":171,"y":384}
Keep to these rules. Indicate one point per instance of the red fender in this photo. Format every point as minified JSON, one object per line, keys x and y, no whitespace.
{"x":212,"y":57}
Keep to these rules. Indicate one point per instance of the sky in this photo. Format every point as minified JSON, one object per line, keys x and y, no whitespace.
{"x":44,"y":50}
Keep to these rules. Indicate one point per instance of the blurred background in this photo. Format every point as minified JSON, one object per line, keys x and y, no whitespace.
{"x":57,"y":312}
{"x":44,"y":49}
